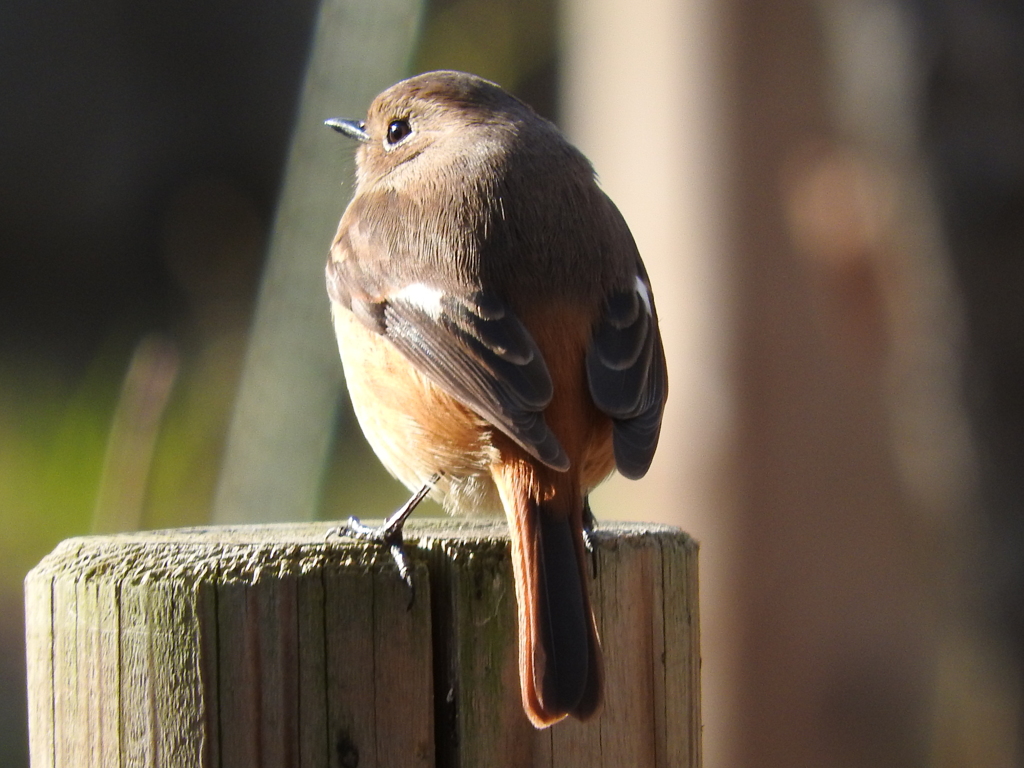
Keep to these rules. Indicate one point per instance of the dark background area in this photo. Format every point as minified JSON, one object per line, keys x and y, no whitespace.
{"x":973,"y":136}
{"x":118,"y":119}
{"x":110,"y":110}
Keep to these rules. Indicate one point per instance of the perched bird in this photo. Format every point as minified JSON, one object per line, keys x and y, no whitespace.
{"x":500,"y":344}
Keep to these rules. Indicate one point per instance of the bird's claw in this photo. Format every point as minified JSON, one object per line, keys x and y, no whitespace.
{"x":589,"y":522}
{"x":389,"y":534}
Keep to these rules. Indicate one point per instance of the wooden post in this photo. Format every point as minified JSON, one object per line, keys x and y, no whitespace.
{"x":269,"y":646}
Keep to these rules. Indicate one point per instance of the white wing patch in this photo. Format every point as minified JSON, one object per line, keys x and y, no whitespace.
{"x":645,"y":295}
{"x":423,"y":297}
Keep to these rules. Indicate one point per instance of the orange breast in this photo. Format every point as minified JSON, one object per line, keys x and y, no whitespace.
{"x":417,"y":429}
{"x":414,"y":427}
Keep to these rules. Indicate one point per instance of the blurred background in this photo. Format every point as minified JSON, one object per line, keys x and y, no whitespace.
{"x":829,"y":195}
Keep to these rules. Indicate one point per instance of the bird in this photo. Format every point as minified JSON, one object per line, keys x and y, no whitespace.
{"x":500,"y":345}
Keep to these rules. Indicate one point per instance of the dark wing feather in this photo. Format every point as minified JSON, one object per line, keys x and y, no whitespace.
{"x":473,"y":348}
{"x":627,"y":375}
{"x":492,"y":365}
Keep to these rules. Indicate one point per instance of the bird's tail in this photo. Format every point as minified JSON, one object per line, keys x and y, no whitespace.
{"x":560,"y":668}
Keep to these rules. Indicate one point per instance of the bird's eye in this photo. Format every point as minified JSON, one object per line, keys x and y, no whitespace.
{"x":398,"y":130}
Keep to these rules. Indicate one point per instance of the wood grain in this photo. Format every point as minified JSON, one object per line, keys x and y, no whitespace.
{"x":271,"y":646}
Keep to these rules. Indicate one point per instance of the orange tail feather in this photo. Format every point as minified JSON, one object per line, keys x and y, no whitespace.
{"x":560,"y":666}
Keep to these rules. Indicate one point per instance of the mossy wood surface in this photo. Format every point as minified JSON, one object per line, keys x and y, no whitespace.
{"x":271,"y":646}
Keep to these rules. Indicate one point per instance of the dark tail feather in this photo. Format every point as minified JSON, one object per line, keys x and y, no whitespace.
{"x":560,"y":667}
{"x":568,"y":653}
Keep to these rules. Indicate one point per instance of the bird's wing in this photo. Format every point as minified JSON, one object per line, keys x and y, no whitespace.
{"x":464,"y":340}
{"x":627,"y":374}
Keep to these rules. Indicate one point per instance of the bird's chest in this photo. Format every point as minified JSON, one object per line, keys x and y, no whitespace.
{"x":416,"y":429}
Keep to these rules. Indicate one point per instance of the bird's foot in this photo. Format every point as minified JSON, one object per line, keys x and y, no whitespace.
{"x":589,"y":523}
{"x":389,"y":533}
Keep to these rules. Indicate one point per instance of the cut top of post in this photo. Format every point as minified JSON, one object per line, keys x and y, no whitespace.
{"x":271,"y":645}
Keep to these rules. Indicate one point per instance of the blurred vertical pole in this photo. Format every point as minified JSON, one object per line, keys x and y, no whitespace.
{"x":285,"y":413}
{"x":642,"y":96}
{"x":845,"y":573}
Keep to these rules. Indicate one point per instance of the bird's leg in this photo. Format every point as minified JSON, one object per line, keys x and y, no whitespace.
{"x":589,"y":523}
{"x":389,"y":533}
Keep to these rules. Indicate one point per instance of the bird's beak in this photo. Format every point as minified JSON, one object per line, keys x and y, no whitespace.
{"x":354,"y":129}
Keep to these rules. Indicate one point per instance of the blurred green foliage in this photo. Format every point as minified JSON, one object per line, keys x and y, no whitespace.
{"x":53,"y":434}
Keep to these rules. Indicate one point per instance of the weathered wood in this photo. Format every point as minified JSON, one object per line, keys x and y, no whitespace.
{"x":269,"y":646}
